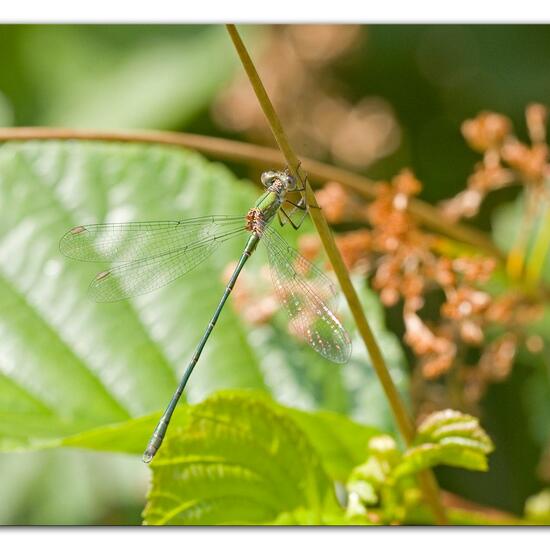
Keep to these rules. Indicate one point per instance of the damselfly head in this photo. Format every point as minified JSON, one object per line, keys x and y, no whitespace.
{"x":272,"y":176}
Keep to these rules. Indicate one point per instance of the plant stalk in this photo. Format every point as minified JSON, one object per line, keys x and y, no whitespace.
{"x":534,"y":269}
{"x":515,"y":262}
{"x":403,"y":420}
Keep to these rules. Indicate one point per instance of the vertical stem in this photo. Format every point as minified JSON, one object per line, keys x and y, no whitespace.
{"x":516,"y":257}
{"x":535,"y":265}
{"x":404,"y":422}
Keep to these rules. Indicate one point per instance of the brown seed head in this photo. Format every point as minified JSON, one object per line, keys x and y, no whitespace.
{"x":486,"y":131}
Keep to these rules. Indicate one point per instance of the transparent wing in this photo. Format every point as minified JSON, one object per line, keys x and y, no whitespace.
{"x":148,"y":274}
{"x":304,"y":300}
{"x":127,"y":242}
{"x":155,"y":267}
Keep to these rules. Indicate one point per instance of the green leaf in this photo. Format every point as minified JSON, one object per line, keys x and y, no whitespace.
{"x":447,"y":437}
{"x":448,"y":424}
{"x":238,"y":459}
{"x":68,"y":364}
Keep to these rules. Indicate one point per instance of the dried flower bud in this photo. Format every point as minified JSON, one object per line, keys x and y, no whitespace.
{"x":497,"y":360}
{"x":475,"y":269}
{"x":486,"y":131}
{"x":337,"y":203}
{"x":464,"y":205}
{"x":387,"y":273}
{"x":423,"y":340}
{"x":406,"y":183}
{"x":530,"y":162}
{"x":536,"y":115}
{"x":414,"y":303}
{"x":389,"y":296}
{"x":534,"y":343}
{"x":437,"y":365}
{"x":465,"y":302}
{"x":485,"y":178}
{"x":412,"y":285}
{"x":355,"y":247}
{"x":443,"y":273}
{"x":501,"y":309}
{"x":471,"y":333}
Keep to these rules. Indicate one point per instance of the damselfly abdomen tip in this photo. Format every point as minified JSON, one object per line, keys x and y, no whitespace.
{"x":148,"y":455}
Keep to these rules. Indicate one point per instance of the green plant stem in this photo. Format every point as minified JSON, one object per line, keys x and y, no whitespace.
{"x":535,"y":265}
{"x":515,"y":262}
{"x":404,"y":422}
{"x":231,"y":150}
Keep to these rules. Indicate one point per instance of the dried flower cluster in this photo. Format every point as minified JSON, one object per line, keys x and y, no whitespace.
{"x":407,"y":267}
{"x":296,"y":64}
{"x":506,"y":160}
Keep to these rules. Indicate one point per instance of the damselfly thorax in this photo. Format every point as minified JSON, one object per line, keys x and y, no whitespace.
{"x":278,"y":184}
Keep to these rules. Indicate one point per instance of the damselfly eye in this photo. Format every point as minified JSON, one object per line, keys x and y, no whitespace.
{"x":267,"y":178}
{"x":290,"y":183}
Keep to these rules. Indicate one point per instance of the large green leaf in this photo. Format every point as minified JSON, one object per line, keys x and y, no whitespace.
{"x":69,"y":365}
{"x":239,"y":459}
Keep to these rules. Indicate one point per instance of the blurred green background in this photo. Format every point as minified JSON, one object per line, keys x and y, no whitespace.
{"x":373,"y":98}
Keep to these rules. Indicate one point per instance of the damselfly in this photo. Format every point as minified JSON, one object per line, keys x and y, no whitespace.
{"x":149,"y":255}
